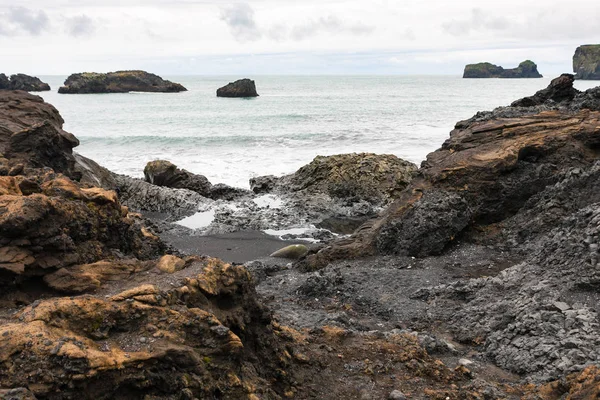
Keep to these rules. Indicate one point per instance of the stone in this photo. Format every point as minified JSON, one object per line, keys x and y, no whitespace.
{"x":397,"y":395}
{"x":263,"y":184}
{"x":170,"y":264}
{"x":294,"y":251}
{"x":165,"y":173}
{"x":239,"y":88}
{"x":118,"y":82}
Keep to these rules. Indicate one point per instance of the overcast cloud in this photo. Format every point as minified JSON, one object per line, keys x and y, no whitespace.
{"x":289,"y":36}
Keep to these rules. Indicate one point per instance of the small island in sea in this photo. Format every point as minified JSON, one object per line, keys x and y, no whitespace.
{"x":586,"y":62}
{"x":118,"y":82}
{"x":240,"y":88}
{"x":23,"y":82}
{"x":527,"y":69}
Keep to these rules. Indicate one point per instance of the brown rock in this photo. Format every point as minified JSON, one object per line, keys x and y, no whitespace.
{"x":170,"y":264}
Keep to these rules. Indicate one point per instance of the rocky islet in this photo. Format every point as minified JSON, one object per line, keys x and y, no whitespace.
{"x":23,"y":82}
{"x":118,"y":82}
{"x":526,"y":69}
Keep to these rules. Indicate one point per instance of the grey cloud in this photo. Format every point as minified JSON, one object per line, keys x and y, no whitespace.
{"x":478,"y":21}
{"x":330,"y":24}
{"x":80,"y":26}
{"x":241,"y":22}
{"x":24,"y":19}
{"x":240,"y":19}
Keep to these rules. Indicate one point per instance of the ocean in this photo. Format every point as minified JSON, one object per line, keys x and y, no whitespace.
{"x":295,"y":119}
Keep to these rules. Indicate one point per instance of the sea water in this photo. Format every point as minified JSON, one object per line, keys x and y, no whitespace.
{"x":295,"y":119}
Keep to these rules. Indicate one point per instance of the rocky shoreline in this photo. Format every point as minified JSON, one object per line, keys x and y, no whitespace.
{"x":471,"y":277}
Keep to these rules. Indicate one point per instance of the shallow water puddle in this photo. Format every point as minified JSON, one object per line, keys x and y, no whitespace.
{"x":198,"y":220}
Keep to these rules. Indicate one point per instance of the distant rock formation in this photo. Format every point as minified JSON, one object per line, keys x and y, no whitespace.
{"x":118,"y":82}
{"x":527,"y":69}
{"x":586,"y":62}
{"x":239,"y":88}
{"x":23,"y":82}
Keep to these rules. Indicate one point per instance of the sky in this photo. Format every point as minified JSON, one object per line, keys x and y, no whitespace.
{"x":253,"y":37}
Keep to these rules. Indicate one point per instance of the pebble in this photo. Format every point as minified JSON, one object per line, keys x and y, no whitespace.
{"x":397,"y":395}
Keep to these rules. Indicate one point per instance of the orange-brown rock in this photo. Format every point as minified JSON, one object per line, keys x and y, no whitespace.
{"x":65,"y":226}
{"x":200,"y":340}
{"x":578,"y":386}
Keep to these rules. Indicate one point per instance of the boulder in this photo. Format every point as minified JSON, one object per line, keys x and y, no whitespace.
{"x":239,"y":88}
{"x":118,"y":82}
{"x":263,"y":184}
{"x":375,"y":178}
{"x":586,"y":62}
{"x":165,"y":173}
{"x":527,"y":69}
{"x":23,"y":82}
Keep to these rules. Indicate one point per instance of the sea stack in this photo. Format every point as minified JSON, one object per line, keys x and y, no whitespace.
{"x":23,"y":82}
{"x":118,"y":82}
{"x":527,"y":69}
{"x":586,"y":62}
{"x":239,"y":88}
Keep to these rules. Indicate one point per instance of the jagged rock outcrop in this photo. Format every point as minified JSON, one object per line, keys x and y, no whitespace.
{"x":527,"y":69}
{"x":484,"y":173}
{"x":31,"y":134}
{"x":167,"y":174}
{"x":23,"y":82}
{"x":118,"y":82}
{"x":239,"y":88}
{"x":586,"y":62}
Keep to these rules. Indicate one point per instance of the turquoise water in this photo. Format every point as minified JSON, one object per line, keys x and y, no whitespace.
{"x":293,"y":120}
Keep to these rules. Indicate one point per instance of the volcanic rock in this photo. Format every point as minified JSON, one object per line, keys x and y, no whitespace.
{"x":239,"y":88}
{"x":488,"y":169}
{"x":527,"y":69}
{"x":118,"y":82}
{"x":586,"y":62}
{"x":23,"y":82}
{"x":375,"y":178}
{"x":167,"y":174}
